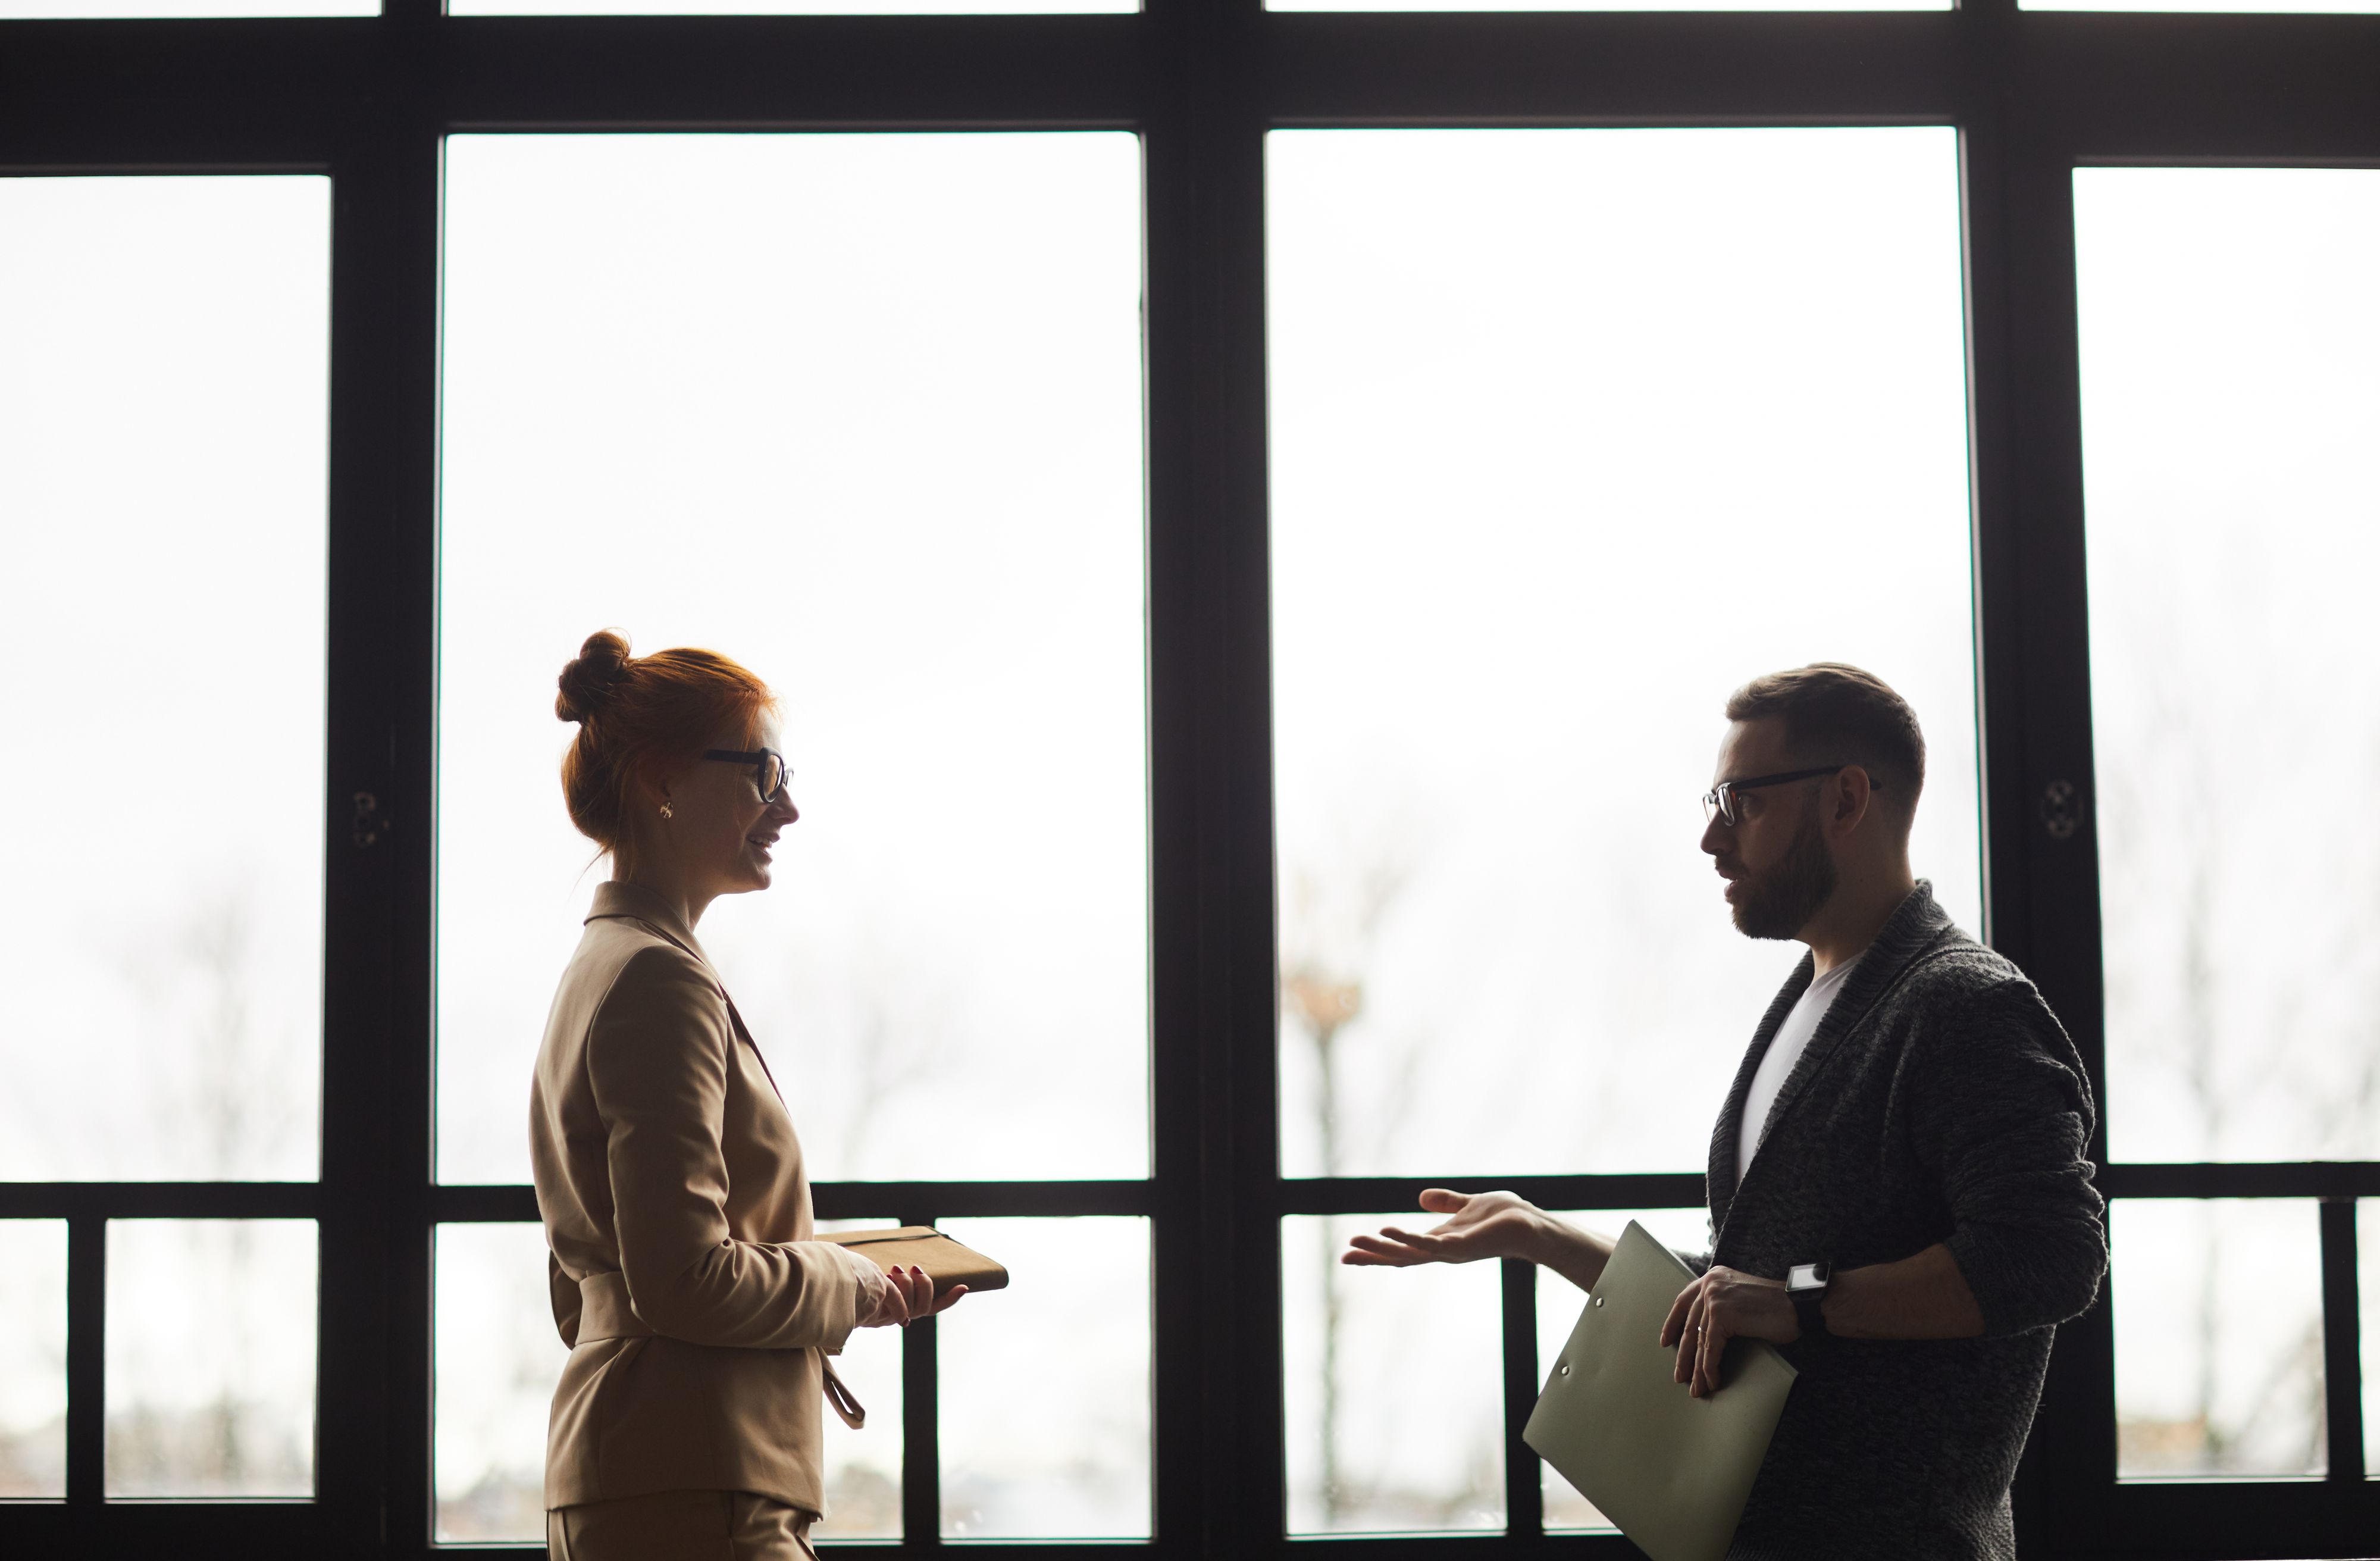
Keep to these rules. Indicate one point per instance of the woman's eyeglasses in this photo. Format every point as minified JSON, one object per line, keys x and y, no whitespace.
{"x":1718,"y":802}
{"x":769,"y":771}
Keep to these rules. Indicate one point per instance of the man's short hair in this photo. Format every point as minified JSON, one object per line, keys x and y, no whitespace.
{"x":1835,"y":714}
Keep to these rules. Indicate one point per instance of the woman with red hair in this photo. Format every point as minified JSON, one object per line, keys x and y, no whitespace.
{"x":698,"y":1311}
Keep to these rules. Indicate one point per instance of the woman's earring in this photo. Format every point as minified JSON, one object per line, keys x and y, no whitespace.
{"x":667,"y":812}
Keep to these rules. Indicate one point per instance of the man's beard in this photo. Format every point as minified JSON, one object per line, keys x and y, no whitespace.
{"x":1780,"y":902}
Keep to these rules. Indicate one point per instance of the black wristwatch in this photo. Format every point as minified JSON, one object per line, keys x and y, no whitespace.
{"x":1805,"y":1287}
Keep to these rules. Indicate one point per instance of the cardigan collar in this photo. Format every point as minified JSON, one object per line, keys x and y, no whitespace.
{"x":634,"y":902}
{"x":1916,"y":928}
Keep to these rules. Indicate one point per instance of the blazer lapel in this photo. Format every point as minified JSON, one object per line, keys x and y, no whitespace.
{"x":1912,"y":931}
{"x":1719,"y":1186}
{"x":745,"y":1036}
{"x":632,"y":903}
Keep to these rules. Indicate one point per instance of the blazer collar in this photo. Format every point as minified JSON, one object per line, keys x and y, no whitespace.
{"x":634,"y":902}
{"x":1914,"y":930}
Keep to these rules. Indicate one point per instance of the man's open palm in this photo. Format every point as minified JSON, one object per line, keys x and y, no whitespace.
{"x":1480,"y":1224}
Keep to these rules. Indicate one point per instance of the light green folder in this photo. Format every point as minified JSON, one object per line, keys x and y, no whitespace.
{"x":1671,"y":1470}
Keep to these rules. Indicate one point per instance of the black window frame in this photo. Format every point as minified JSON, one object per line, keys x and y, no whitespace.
{"x":369,"y":101}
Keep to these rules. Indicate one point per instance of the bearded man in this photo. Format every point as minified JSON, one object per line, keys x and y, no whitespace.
{"x":1899,"y":1194}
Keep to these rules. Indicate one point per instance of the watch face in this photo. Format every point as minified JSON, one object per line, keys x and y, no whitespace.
{"x":1806,"y":1276}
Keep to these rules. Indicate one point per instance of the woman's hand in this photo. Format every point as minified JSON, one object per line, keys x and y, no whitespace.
{"x":907,"y":1296}
{"x":1479,"y":1225}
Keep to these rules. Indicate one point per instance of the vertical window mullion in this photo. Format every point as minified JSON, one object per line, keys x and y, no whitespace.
{"x":1220,"y":1389}
{"x":86,"y":1364}
{"x":373,"y":1388}
{"x":2342,"y":1365}
{"x":1524,"y":1490}
{"x":921,"y":1457}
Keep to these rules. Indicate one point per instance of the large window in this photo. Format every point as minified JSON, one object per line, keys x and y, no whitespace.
{"x":1533,"y":405}
{"x":1253,"y":507}
{"x":865,"y":413}
{"x":2227,"y":332}
{"x":162,"y":377}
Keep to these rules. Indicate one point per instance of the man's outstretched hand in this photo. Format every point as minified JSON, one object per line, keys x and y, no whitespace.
{"x":1478,"y":1225}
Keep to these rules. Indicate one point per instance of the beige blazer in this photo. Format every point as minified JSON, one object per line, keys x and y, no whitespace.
{"x":698,"y":1310}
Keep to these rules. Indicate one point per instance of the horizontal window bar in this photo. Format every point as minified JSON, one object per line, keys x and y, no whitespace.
{"x":1344,"y":1195}
{"x":862,"y":1200}
{"x":2311,"y":1179}
{"x":1461,"y":1547}
{"x":168,"y":1527}
{"x":466,"y":1205}
{"x":181,"y":91}
{"x":1363,"y":1195}
{"x":1376,"y":1195}
{"x":556,"y":73}
{"x":950,"y":1199}
{"x":1006,"y":1550}
{"x":2242,"y":1516}
{"x":161,"y":1199}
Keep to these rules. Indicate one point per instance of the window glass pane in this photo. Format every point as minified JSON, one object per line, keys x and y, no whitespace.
{"x":32,"y":1359}
{"x":2258,"y":6}
{"x":2228,"y":330}
{"x":35,"y":10}
{"x":1474,"y":5}
{"x":783,"y":7}
{"x":498,"y":1359}
{"x":1388,"y":1433}
{"x":2367,"y":1286}
{"x":862,"y":412}
{"x":1562,"y":424}
{"x":164,"y":360}
{"x":1559,"y":1305}
{"x":2218,"y":1338}
{"x":1045,"y":1386}
{"x":862,"y":1468}
{"x":211,"y":1358}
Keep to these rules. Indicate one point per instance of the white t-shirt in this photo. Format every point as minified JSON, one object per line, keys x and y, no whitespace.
{"x":1777,"y":1065}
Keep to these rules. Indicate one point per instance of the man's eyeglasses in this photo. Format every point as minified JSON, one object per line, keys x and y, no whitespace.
{"x":1718,"y":802}
{"x":769,"y":771}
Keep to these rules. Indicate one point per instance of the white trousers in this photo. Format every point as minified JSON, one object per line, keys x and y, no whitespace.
{"x":680,"y":1526}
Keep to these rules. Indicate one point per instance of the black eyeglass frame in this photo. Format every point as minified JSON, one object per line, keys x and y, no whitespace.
{"x":759,"y":759}
{"x":1720,"y":800}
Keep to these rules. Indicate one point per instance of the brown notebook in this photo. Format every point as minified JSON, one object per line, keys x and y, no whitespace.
{"x":921,"y":1246}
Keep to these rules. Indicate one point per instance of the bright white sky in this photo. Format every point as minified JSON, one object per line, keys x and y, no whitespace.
{"x":2232,"y":473}
{"x":1572,"y":431}
{"x":862,"y":412}
{"x":164,"y":360}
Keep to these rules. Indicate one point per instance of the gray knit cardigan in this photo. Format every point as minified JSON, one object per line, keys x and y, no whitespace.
{"x":1939,"y":1101}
